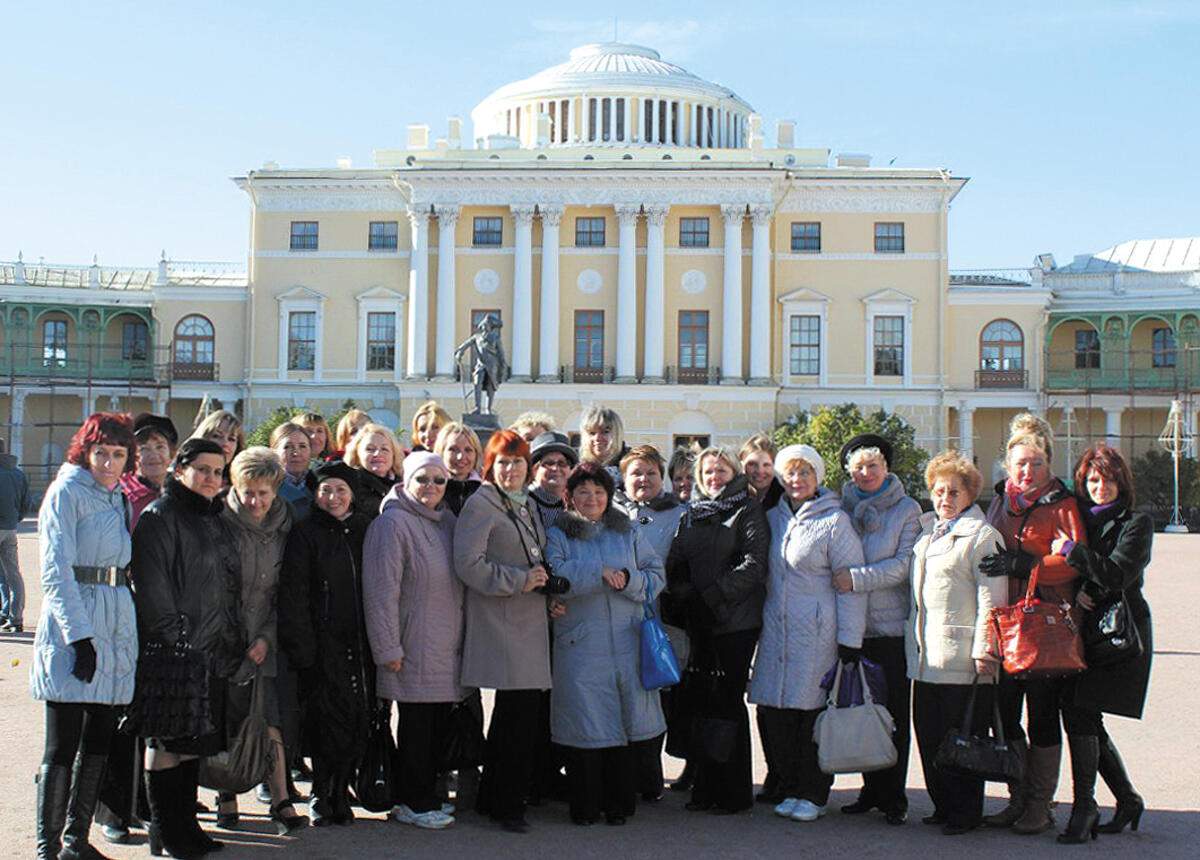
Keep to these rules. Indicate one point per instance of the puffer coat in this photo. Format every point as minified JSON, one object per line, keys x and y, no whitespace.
{"x":888,"y":524}
{"x":372,"y":489}
{"x":81,"y":523}
{"x":656,"y":520}
{"x":805,"y":619}
{"x":598,"y":700}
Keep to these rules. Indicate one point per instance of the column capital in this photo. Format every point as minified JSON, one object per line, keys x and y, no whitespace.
{"x":447,"y":213}
{"x":627,"y":213}
{"x":522,"y":212}
{"x":733,"y":213}
{"x":656,"y":215}
{"x":419,"y":216}
{"x":551,"y":214}
{"x":760,"y":215}
{"x":1112,"y":410}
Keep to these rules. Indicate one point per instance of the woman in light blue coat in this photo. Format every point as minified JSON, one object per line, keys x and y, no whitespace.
{"x":598,"y":707}
{"x":85,"y":650}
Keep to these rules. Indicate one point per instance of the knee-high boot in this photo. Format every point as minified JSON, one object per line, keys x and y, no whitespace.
{"x":85,"y":790}
{"x":320,"y":798}
{"x":190,"y":779}
{"x":1041,"y":770}
{"x":53,"y":789}
{"x":1015,"y":807}
{"x":1085,"y":754}
{"x":1130,"y":805}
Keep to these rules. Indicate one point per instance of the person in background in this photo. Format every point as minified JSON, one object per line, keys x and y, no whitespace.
{"x":293,"y":446}
{"x":458,"y":445}
{"x":602,"y":439}
{"x":320,"y":438}
{"x":348,"y":425}
{"x":427,"y":422}
{"x":224,"y":428}
{"x":14,"y":502}
{"x":680,"y":467}
{"x":157,"y":441}
{"x":85,"y":648}
{"x":757,"y":456}
{"x":530,"y":425}
{"x":553,"y":459}
{"x":887,"y":520}
{"x":948,"y":645}
{"x":376,"y":455}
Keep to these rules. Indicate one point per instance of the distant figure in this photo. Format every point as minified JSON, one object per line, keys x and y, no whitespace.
{"x":14,"y":501}
{"x":489,"y":366}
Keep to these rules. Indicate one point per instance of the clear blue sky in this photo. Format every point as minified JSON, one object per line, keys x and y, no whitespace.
{"x":121,"y":122}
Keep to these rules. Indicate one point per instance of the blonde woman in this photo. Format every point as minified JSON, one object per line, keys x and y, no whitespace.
{"x":427,"y":422}
{"x":376,"y":455}
{"x":347,"y":426}
{"x":602,"y":439}
{"x":530,"y":425}
{"x":224,"y":428}
{"x":319,"y":435}
{"x":459,"y":448}
{"x":757,"y":456}
{"x":293,"y":445}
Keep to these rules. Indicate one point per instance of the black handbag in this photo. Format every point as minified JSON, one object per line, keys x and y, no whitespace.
{"x":992,"y":757}
{"x":376,"y":783}
{"x":462,"y":745}
{"x":250,"y":756}
{"x":171,"y":697}
{"x":1110,"y":635}
{"x":712,"y":737}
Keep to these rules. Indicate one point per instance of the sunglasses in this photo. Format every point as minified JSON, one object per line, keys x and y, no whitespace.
{"x":425,"y":480}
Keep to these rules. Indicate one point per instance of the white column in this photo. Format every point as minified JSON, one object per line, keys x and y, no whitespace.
{"x":1112,"y":425}
{"x":418,"y":296}
{"x":731,"y":322}
{"x":612,"y":119}
{"x":966,"y":430}
{"x":522,"y":321}
{"x":571,"y":120}
{"x":447,"y":288}
{"x":719,"y":119}
{"x":654,"y":320}
{"x":548,"y":360}
{"x":89,"y":404}
{"x":653,"y":138}
{"x":16,"y":445}
{"x":161,"y":399}
{"x":627,"y":293}
{"x":760,"y":296}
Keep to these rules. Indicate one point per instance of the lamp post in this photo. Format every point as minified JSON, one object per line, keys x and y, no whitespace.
{"x":1172,"y":440}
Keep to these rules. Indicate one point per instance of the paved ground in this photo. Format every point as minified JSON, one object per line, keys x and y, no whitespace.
{"x":1163,"y":753}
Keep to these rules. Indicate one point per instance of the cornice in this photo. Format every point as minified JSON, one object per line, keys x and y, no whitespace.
{"x":886,"y":196}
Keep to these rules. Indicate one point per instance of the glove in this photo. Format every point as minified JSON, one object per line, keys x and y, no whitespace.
{"x":1009,"y":562}
{"x":849,"y":655}
{"x":85,"y":660}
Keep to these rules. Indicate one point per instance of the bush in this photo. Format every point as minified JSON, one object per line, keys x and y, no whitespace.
{"x":1154,"y":481}
{"x":830,"y":427}
{"x":261,"y":435}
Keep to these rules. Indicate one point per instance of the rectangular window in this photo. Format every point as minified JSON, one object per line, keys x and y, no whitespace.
{"x":304,"y":236}
{"x":889,"y":346}
{"x":806,"y":236}
{"x":1087,"y":349}
{"x":488,"y":231}
{"x":804,"y":345}
{"x":693,"y":232}
{"x":889,"y":237}
{"x":691,"y":441}
{"x":54,"y":343}
{"x":302,"y":340}
{"x":135,"y":341}
{"x":1163,"y":342}
{"x":589,"y":342}
{"x":478,"y":315}
{"x":381,"y":341}
{"x":693,"y":345}
{"x":589,"y":232}
{"x":383,"y":236}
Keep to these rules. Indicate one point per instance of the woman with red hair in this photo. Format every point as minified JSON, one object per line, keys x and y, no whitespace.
{"x":498,"y":555}
{"x":85,"y":650}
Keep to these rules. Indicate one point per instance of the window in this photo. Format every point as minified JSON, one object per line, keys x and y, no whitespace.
{"x":194,"y":342}
{"x":889,"y":346}
{"x":488,"y":231}
{"x":135,"y":341}
{"x":889,"y":237}
{"x":304,"y":236}
{"x":381,"y":341}
{"x":693,"y":232}
{"x":804,"y":345}
{"x":1163,"y":343}
{"x":478,"y":315}
{"x":54,"y":343}
{"x":383,"y":235}
{"x":806,"y":236}
{"x":1087,"y":349}
{"x":589,"y":232}
{"x":691,"y":441}
{"x":302,"y":340}
{"x":693,"y":346}
{"x":1001,"y":346}
{"x":589,"y":345}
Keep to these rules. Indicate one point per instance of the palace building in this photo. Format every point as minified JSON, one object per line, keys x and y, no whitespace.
{"x":644,"y":246}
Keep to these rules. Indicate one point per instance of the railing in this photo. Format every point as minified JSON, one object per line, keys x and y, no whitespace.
{"x":990,"y":277}
{"x":596,"y":375}
{"x":83,"y":361}
{"x":1124,"y":370}
{"x":710,"y":375}
{"x":1009,"y":379}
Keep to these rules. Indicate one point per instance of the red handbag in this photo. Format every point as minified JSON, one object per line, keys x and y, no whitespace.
{"x":1039,"y":639}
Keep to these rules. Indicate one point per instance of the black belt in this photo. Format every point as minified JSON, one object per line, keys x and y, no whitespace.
{"x":101,"y":575}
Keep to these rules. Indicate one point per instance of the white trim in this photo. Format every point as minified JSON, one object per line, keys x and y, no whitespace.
{"x":888,"y":302}
{"x":999,"y":296}
{"x":201,"y":293}
{"x":301,"y":300}
{"x":813,"y":304}
{"x":398,"y":254}
{"x":380,"y":300}
{"x":858,"y":256}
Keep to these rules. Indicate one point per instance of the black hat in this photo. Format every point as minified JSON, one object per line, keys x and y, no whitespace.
{"x":866,"y":440}
{"x":193,"y":448}
{"x":552,"y":441}
{"x":337,"y":469}
{"x":147,"y":422}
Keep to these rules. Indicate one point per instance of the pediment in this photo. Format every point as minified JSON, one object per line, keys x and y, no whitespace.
{"x":377,"y":293}
{"x":888,"y":295}
{"x":804,"y":294}
{"x":299,"y":293}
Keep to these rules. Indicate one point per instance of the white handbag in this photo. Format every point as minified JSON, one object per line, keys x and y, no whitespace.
{"x":856,"y":739}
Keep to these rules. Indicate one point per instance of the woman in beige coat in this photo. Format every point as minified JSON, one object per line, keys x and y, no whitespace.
{"x":947,"y":641}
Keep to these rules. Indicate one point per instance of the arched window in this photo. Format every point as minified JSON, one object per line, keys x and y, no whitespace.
{"x":54,"y":343}
{"x":1002,"y":346}
{"x":194,"y":348}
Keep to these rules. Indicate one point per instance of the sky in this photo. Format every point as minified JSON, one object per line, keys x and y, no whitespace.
{"x":121,"y":123}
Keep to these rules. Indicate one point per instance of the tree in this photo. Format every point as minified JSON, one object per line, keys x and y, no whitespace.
{"x":261,"y":434}
{"x":830,"y":427}
{"x":1154,"y":480}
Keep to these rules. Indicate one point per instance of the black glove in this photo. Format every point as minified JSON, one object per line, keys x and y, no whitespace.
{"x":849,"y":655}
{"x":85,"y":660}
{"x":1008,"y":562}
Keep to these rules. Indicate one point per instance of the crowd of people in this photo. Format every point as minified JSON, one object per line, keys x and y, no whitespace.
{"x":335,"y":572}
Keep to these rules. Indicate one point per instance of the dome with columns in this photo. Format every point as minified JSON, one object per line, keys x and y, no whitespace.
{"x":612,"y":94}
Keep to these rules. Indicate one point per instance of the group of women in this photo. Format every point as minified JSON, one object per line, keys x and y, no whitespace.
{"x":334,"y":570}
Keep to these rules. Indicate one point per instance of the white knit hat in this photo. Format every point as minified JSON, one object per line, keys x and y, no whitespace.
{"x":806,"y":453}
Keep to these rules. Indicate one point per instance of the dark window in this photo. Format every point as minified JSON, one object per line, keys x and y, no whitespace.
{"x":889,"y":346}
{"x":302,"y":340}
{"x":1001,"y":346}
{"x":488,"y":231}
{"x":589,"y":232}
{"x":804,"y":345}
{"x":889,"y":237}
{"x":304,"y":236}
{"x":693,"y":232}
{"x":54,"y":343}
{"x":1163,"y":343}
{"x":691,"y":441}
{"x":647,"y":120}
{"x":693,"y":340}
{"x":591,"y":129}
{"x":383,"y":236}
{"x":806,"y":235}
{"x":478,"y":315}
{"x":135,"y":341}
{"x":194,"y":341}
{"x":1087,"y":349}
{"x":381,"y":341}
{"x":589,"y":341}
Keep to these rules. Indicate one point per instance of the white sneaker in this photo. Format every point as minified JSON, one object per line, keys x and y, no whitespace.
{"x":786,"y":807}
{"x":434,"y":819}
{"x":448,"y":808}
{"x":806,"y":810}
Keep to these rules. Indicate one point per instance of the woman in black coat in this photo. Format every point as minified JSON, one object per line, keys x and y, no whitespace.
{"x":187,"y":584}
{"x":1115,"y":560}
{"x":716,"y":584}
{"x":323,"y":633}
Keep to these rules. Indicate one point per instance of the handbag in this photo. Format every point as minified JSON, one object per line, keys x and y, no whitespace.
{"x":991,"y":757}
{"x":248,"y":761}
{"x":857,"y":739}
{"x":462,"y":745}
{"x":1038,"y":639}
{"x":171,"y":697}
{"x":711,"y":738}
{"x":376,"y":785}
{"x":1110,"y":635}
{"x":659,"y":666}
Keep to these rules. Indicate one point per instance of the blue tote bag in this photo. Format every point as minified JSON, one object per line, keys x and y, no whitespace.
{"x":659,"y":667}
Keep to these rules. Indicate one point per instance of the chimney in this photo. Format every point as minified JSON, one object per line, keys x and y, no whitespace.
{"x":787,"y":133}
{"x":418,"y":137}
{"x":454,"y":132}
{"x":19,"y":269}
{"x":94,"y":273}
{"x":162,"y":279}
{"x":755,"y":132}
{"x":344,"y":162}
{"x":853,"y":159}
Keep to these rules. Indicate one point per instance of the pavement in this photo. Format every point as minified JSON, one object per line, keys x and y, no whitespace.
{"x":1162,"y":752}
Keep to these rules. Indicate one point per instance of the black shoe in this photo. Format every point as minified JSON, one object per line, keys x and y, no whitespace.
{"x":957,"y":828}
{"x":614,"y":819}
{"x":117,"y":834}
{"x":935,"y":820}
{"x":285,"y":824}
{"x":515,"y":825}
{"x":1130,"y":804}
{"x":686,"y":780}
{"x":895,"y":817}
{"x":698,"y":805}
{"x":858,"y":807}
{"x":652,"y":797}
{"x":262,"y":793}
{"x":172,"y":798}
{"x":227,"y":820}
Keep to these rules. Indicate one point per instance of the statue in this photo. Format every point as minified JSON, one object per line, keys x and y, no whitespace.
{"x":489,"y":367}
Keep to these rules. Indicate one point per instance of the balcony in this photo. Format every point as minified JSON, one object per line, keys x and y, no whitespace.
{"x":81,"y":362}
{"x":1129,"y":370}
{"x":572,"y":373}
{"x":1002,"y":379}
{"x":693,"y":375}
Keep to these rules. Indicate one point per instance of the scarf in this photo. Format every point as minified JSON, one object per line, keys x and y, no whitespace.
{"x":1019,"y":502}
{"x":518,"y":498}
{"x":734,"y":495}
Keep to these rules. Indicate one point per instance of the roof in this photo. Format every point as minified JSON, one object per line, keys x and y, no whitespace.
{"x":1143,"y":255}
{"x":181,"y":273}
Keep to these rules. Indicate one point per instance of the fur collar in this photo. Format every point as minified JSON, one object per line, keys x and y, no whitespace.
{"x":578,"y":528}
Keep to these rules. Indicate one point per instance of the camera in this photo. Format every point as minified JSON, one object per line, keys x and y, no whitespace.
{"x":555,"y":585}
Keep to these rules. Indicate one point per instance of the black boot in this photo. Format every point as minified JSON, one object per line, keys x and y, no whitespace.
{"x":168,"y":794}
{"x":320,"y":797}
{"x":53,"y":789}
{"x":85,"y":790}
{"x":1085,"y":755}
{"x":190,"y":780}
{"x":1130,"y":805}
{"x":342,"y":812}
{"x":687,"y":779}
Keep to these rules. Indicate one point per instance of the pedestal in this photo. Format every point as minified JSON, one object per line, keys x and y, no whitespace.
{"x":483,"y":424}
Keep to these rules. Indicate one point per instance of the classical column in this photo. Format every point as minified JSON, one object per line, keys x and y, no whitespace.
{"x":966,"y":430}
{"x":418,"y":296}
{"x":522,"y":321}
{"x":627,"y":293}
{"x":653,"y":138}
{"x":731,"y":322}
{"x":446,"y":291}
{"x":161,"y":399}
{"x":760,"y":296}
{"x":656,"y":216}
{"x":548,"y":328}
{"x":612,"y":119}
{"x":16,"y":445}
{"x":1112,"y":425}
{"x":570,"y":120}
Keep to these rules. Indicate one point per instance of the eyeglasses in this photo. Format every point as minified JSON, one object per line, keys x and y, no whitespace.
{"x":425,"y":480}
{"x":554,"y":464}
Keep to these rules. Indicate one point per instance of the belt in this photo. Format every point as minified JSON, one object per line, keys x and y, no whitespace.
{"x":101,"y":575}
